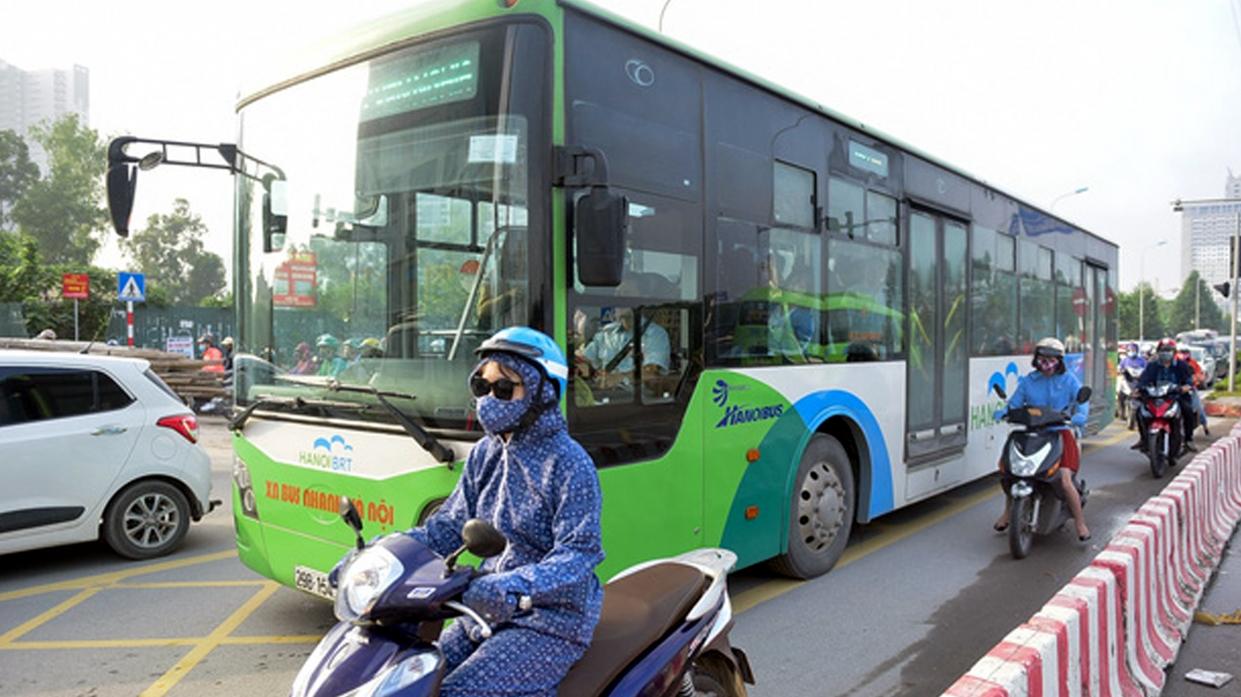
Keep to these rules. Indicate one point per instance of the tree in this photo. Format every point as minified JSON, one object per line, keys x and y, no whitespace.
{"x":170,"y":251}
{"x":1127,"y":313}
{"x":17,"y":173}
{"x":63,"y":210}
{"x":1181,"y":311}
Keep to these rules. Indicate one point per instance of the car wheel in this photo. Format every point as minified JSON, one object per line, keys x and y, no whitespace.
{"x":821,"y":510}
{"x":147,"y":519}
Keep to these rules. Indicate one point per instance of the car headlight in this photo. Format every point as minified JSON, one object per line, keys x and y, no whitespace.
{"x":364,"y":580}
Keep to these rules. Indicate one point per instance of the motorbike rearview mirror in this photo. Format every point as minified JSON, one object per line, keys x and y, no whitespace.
{"x":1083,"y":395}
{"x":482,"y":538}
{"x":999,"y":390}
{"x":352,"y":518}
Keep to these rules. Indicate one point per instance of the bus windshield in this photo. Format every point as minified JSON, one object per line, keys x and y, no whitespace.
{"x":395,"y":233}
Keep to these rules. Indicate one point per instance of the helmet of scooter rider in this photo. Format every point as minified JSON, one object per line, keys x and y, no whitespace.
{"x":1050,"y":347}
{"x":1166,"y":350}
{"x":534,"y":347}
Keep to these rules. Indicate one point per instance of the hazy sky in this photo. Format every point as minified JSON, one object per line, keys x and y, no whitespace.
{"x":1138,"y":100}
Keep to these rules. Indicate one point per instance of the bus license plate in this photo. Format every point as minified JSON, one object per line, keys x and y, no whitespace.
{"x":312,"y":581}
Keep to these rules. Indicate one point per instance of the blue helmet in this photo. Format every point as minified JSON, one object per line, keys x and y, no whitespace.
{"x":534,"y":346}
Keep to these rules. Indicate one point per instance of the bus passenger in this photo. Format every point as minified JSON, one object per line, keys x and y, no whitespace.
{"x":537,"y":485}
{"x":608,"y":359}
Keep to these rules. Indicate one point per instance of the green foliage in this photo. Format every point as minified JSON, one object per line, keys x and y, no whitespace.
{"x":170,"y":251}
{"x":63,"y":210}
{"x":1127,"y":314}
{"x":17,"y":173}
{"x":221,"y":300}
{"x":1180,"y":312}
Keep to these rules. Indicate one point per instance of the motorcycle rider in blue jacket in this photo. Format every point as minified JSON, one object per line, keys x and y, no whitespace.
{"x":534,"y":483}
{"x":1165,"y":368}
{"x":1050,"y":385}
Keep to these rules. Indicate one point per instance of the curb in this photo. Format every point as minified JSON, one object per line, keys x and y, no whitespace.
{"x":1114,"y":629}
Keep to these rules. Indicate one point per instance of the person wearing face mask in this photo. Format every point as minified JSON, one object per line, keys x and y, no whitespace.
{"x":535,"y":484}
{"x":1050,"y":385}
{"x":1165,"y":368}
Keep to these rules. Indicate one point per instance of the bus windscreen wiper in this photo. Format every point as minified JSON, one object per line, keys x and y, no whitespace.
{"x":420,"y":435}
{"x":238,"y":420}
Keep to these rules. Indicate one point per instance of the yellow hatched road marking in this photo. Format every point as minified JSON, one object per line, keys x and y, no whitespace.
{"x":47,"y":616}
{"x":217,"y":636}
{"x":774,"y":588}
{"x":114,"y":576}
{"x":156,"y":643}
{"x":162,"y":585}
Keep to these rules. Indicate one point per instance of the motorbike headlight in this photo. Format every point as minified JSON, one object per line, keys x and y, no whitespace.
{"x":1020,"y":465}
{"x":364,"y":580}
{"x":401,"y":676}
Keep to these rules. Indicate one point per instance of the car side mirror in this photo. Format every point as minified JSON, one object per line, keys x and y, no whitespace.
{"x":601,"y":225}
{"x":1083,"y":395}
{"x":482,"y":538}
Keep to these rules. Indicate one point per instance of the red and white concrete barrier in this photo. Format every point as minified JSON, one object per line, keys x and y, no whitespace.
{"x":1113,"y":630}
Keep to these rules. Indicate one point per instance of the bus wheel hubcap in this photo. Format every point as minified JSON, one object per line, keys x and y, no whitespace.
{"x":820,"y":507}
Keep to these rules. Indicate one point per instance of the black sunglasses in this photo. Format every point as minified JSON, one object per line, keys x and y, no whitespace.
{"x":502,"y":388}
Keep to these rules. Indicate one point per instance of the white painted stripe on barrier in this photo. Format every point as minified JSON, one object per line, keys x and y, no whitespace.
{"x":1105,"y":658}
{"x":1044,"y":644}
{"x":1135,"y":666}
{"x":1071,"y":621}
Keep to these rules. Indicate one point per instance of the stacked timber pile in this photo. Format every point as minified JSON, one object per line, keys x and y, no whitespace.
{"x":184,"y":375}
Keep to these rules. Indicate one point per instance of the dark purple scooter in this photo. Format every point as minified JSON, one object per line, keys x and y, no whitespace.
{"x":663,"y":631}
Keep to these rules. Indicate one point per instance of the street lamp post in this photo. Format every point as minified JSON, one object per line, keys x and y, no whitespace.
{"x":1141,"y":292}
{"x":1074,"y":192}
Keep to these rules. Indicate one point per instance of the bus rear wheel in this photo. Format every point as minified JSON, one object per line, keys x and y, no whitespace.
{"x":821,"y":511}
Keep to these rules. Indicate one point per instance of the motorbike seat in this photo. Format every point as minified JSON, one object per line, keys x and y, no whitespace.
{"x":637,"y":610}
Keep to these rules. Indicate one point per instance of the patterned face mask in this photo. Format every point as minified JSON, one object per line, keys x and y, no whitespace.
{"x":1047,"y":365}
{"x":499,"y":416}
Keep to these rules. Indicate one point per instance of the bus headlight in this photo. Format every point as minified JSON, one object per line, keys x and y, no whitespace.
{"x":364,"y":580}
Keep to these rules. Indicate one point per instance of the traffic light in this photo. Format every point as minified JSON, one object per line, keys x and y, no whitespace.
{"x":1223,"y":288}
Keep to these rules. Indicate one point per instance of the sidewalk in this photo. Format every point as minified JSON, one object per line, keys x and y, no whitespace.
{"x":1215,"y":648}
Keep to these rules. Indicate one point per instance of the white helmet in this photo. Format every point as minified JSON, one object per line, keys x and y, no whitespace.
{"x":1050,"y":346}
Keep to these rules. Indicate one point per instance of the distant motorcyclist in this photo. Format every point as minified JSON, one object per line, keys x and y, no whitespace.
{"x":1166,"y":369}
{"x":1051,"y":385}
{"x":1185,"y":355}
{"x":1133,"y":359}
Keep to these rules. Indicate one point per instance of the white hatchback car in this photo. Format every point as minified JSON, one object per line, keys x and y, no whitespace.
{"x":92,"y":446}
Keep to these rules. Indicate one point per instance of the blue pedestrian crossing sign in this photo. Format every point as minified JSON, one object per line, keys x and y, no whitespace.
{"x":131,"y":287}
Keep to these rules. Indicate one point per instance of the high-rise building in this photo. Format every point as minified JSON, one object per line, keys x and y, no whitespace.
{"x":30,"y":97}
{"x":1207,"y":228}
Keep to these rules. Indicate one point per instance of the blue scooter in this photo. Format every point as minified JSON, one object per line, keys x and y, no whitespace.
{"x":663,"y":631}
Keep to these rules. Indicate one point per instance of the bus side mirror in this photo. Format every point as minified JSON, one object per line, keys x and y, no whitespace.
{"x":1083,"y":395}
{"x":601,"y":224}
{"x":275,"y":213}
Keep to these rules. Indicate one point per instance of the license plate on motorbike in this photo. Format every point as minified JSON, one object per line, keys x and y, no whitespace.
{"x":312,"y":581}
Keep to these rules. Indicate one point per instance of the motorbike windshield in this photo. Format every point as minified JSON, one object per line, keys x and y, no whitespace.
{"x":393,"y":231}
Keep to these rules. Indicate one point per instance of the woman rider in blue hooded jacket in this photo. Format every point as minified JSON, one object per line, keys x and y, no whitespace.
{"x":1051,"y":385}
{"x":534,"y":483}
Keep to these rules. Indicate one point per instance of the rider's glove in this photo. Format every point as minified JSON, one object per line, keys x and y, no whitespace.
{"x":999,"y":413}
{"x":1079,"y":421}
{"x":493,"y":597}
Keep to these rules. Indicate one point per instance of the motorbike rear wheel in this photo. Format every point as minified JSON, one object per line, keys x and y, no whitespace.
{"x":1021,"y":527}
{"x":715,"y":677}
{"x":1154,"y":450}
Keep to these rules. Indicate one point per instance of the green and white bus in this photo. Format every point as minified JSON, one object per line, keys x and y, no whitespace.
{"x":822,"y":309}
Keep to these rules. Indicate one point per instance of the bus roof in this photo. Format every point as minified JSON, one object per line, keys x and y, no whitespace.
{"x":377,"y":35}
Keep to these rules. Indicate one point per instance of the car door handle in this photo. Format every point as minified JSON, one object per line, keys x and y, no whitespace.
{"x":109,"y":431}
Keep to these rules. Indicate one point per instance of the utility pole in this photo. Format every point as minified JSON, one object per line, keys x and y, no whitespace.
{"x":1197,"y":307}
{"x":1232,"y":333}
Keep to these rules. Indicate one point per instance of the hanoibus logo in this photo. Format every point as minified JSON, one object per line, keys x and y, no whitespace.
{"x":719,"y":393}
{"x":737,"y":414}
{"x":332,"y":453}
